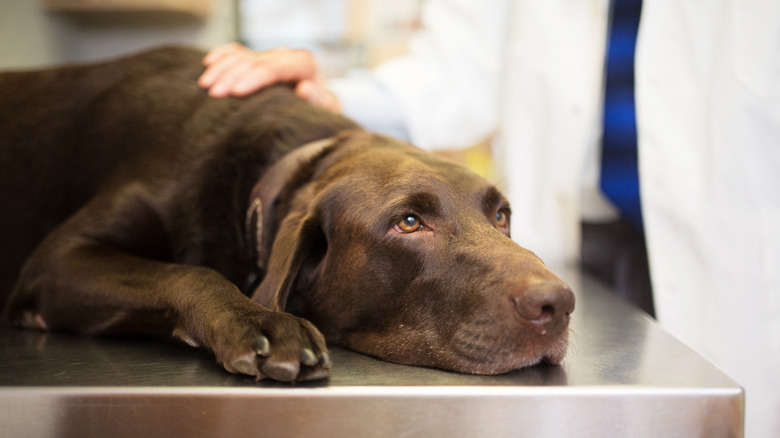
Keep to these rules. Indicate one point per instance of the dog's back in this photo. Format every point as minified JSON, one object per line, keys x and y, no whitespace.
{"x":69,"y":132}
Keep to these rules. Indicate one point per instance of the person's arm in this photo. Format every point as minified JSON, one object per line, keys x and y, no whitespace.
{"x":370,"y":103}
{"x":448,"y":85}
{"x":443,"y":94}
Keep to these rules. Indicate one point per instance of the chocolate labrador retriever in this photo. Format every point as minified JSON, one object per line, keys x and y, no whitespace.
{"x":133,"y":203}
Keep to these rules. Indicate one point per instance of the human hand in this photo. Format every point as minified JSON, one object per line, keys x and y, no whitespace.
{"x":235,"y":70}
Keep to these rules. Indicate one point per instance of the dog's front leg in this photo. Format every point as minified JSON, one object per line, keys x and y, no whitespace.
{"x":77,"y":284}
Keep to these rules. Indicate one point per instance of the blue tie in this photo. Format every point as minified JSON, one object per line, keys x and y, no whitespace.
{"x":619,"y":169}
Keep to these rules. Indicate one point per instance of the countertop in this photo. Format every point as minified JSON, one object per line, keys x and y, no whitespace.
{"x":624,"y":376}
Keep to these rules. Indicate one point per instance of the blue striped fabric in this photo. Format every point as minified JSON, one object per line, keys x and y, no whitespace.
{"x":619,"y":170}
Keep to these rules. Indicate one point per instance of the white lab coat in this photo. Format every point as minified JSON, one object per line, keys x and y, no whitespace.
{"x":530,"y":73}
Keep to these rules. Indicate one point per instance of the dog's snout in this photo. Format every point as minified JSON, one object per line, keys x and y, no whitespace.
{"x":546,"y":304}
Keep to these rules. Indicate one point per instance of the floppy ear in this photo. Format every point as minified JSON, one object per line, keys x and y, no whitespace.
{"x":291,"y":248}
{"x":280,"y":254}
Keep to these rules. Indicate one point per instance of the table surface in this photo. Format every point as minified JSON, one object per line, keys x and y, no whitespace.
{"x":623,"y":376}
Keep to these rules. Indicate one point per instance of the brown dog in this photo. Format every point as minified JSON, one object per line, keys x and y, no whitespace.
{"x":133,"y":203}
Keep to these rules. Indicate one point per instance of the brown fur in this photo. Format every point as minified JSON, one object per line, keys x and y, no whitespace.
{"x":133,"y":203}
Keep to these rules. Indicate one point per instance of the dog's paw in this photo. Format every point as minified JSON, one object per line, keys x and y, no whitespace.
{"x":273,"y":345}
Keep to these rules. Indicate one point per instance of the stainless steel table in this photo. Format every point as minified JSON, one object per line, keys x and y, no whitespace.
{"x":624,"y":377}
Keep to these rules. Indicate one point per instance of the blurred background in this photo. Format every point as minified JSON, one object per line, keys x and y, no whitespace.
{"x":344,"y":34}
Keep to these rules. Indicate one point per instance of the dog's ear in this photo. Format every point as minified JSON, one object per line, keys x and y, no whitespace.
{"x":298,"y":234}
{"x":282,"y":197}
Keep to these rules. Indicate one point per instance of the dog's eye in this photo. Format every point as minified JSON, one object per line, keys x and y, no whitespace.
{"x":502,"y":218}
{"x":409,"y":224}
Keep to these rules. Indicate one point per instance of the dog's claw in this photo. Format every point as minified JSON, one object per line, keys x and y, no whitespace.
{"x":308,"y":358}
{"x":325,"y":361}
{"x":262,"y":346}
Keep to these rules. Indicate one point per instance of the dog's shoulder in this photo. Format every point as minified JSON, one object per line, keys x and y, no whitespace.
{"x":162,"y":60}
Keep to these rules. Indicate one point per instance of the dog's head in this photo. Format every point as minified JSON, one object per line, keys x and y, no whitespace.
{"x":398,"y":254}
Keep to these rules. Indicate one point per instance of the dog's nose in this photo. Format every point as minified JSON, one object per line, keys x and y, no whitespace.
{"x":546,"y":304}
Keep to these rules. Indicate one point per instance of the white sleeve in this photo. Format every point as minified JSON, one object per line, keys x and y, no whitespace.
{"x":445,"y":92}
{"x":366,"y":101}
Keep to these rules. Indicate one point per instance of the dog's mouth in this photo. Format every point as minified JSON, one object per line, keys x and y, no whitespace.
{"x":471,"y":350}
{"x":523,"y":331}
{"x":503,"y":353}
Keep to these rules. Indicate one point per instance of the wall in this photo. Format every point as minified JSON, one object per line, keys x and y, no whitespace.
{"x":343,"y":34}
{"x":32,"y":35}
